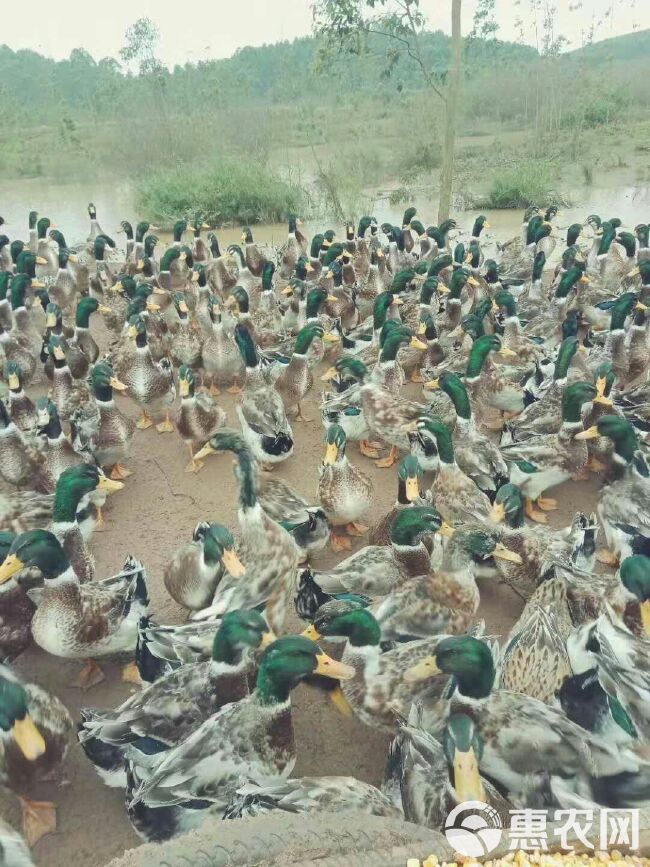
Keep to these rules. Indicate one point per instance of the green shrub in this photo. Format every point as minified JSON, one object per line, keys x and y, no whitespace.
{"x":527,"y":184}
{"x":230,"y":191}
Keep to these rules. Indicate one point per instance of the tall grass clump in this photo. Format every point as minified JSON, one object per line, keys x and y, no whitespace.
{"x":527,"y":184}
{"x":229,"y":191}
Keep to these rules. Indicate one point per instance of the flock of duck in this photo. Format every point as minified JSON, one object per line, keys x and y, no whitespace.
{"x":486,"y":381}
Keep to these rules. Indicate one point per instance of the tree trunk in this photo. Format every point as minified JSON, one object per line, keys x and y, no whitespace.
{"x":453,"y":95}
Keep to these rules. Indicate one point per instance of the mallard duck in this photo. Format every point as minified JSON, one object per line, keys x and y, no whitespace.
{"x":79,"y":621}
{"x":600,"y":449}
{"x":169,"y":710}
{"x":435,"y":776}
{"x":459,"y":300}
{"x":222,"y":361}
{"x":455,"y":495}
{"x":409,"y":477}
{"x":265,"y":427}
{"x":46,"y":250}
{"x":179,"y":265}
{"x":388,"y":371}
{"x":16,"y":611}
{"x":296,"y":378}
{"x":476,"y":455}
{"x":491,"y":393}
{"x":103,"y":427}
{"x":444,"y":599}
{"x":566,"y":759}
{"x":290,"y":250}
{"x":127,"y":229}
{"x":637,"y":350}
{"x":195,"y":568}
{"x":255,"y":260}
{"x":624,"y":504}
{"x":312,"y":313}
{"x":268,"y":551}
{"x":16,"y":345}
{"x":199,"y":416}
{"x":615,"y":349}
{"x":203,"y":772}
{"x":634,"y":581}
{"x":343,"y":490}
{"x":68,"y":395}
{"x":21,"y":407}
{"x":378,"y":569}
{"x":262,"y":329}
{"x":83,"y":339}
{"x":547,"y":460}
{"x":19,"y":459}
{"x":221,"y":271}
{"x":377,"y":691}
{"x":531,"y":295}
{"x":538,"y":237}
{"x":310,"y":795}
{"x":5,"y":253}
{"x":100,"y":265}
{"x":6,"y":317}
{"x":619,"y":659}
{"x":143,"y":247}
{"x":540,"y":547}
{"x":534,"y":660}
{"x":115,"y":302}
{"x":200,"y":250}
{"x":544,"y":415}
{"x":75,"y":489}
{"x":76,"y":360}
{"x":185,"y":344}
{"x":63,"y":288}
{"x":415,"y":360}
{"x":514,"y":338}
{"x":150,"y":383}
{"x":35,"y":733}
{"x":387,"y":415}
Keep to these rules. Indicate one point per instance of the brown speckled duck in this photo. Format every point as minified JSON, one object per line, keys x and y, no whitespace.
{"x":344,"y":491}
{"x":199,"y":416}
{"x":150,"y":383}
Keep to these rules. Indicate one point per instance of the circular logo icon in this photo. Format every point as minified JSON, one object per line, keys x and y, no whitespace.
{"x":473,"y":829}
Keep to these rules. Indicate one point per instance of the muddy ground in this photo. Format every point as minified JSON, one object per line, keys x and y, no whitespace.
{"x":157,"y":511}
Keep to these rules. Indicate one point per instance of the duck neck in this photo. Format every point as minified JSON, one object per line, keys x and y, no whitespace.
{"x":247,"y":485}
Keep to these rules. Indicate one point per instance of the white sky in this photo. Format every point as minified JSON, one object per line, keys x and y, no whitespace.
{"x":216,"y":28}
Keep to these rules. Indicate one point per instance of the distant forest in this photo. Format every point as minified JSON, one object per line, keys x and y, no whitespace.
{"x":86,"y":116}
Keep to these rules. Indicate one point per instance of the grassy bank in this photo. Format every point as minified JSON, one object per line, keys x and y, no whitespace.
{"x":527,"y":184}
{"x":229,"y":191}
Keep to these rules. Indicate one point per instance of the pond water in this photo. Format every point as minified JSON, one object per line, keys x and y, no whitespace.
{"x":66,"y":204}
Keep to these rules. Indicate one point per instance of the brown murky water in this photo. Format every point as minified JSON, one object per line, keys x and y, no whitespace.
{"x":66,"y":205}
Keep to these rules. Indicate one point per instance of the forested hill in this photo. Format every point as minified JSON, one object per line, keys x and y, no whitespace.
{"x":626,"y":48}
{"x":36,"y":89}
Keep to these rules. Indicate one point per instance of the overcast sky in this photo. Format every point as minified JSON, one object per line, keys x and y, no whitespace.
{"x":216,"y":28}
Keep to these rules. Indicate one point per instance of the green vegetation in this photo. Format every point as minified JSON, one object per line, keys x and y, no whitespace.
{"x":526,"y":184}
{"x":227,"y":192}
